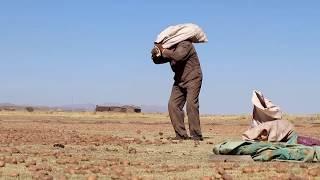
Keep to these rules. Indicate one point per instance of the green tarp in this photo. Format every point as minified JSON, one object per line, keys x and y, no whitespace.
{"x":267,"y":151}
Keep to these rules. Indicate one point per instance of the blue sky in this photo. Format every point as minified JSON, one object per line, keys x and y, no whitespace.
{"x":63,"y":52}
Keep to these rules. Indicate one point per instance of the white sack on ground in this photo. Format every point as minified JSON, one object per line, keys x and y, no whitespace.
{"x":266,"y":123}
{"x":276,"y":131}
{"x":178,"y":33}
{"x":264,"y":110}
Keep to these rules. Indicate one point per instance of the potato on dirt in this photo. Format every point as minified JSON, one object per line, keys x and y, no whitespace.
{"x":206,"y":178}
{"x":226,"y":177}
{"x":14,"y":174}
{"x":281,"y":169}
{"x":248,"y":170}
{"x":2,"y":163}
{"x":314,"y":171}
{"x":92,"y":177}
{"x":220,"y":170}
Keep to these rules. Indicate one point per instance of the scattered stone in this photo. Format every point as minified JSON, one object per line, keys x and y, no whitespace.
{"x":61,"y":161}
{"x":136,"y":178}
{"x":44,"y":177}
{"x":62,"y":177}
{"x":125,"y":163}
{"x":92,"y":177}
{"x":221,"y":171}
{"x":294,"y":177}
{"x":281,"y":169}
{"x":175,"y":141}
{"x":274,"y":178}
{"x":164,"y":141}
{"x":284,"y":176}
{"x":128,"y":139}
{"x":95,"y":170}
{"x":206,"y":178}
{"x":196,"y":143}
{"x":210,"y":142}
{"x":138,"y":141}
{"x":171,"y":169}
{"x":303,"y":165}
{"x":31,"y":163}
{"x":14,"y":161}
{"x":14,"y":174}
{"x":226,"y":177}
{"x":236,"y":165}
{"x":248,"y":170}
{"x":112,"y":149}
{"x":21,"y":160}
{"x":92,"y":148}
{"x":132,"y":150}
{"x":217,"y":176}
{"x":227,"y":166}
{"x":314,"y":172}
{"x":2,"y":164}
{"x":57,"y":145}
{"x":15,"y":150}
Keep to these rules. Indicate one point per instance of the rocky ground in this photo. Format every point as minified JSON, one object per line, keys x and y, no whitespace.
{"x":104,"y":146}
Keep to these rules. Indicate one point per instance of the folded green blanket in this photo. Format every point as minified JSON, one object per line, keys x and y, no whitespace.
{"x":267,"y":151}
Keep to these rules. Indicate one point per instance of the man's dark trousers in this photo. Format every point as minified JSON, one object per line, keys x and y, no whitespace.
{"x":189,"y":94}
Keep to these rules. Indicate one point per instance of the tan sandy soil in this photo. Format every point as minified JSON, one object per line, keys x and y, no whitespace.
{"x":47,"y":145}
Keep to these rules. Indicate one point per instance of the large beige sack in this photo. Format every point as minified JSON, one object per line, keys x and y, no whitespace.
{"x":263,"y":109}
{"x":275,"y":131}
{"x":174,"y":34}
{"x":267,"y":124}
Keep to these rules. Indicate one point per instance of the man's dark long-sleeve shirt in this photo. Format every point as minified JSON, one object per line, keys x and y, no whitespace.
{"x":184,"y":62}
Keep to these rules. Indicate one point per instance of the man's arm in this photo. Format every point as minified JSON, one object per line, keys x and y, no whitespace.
{"x":179,"y":53}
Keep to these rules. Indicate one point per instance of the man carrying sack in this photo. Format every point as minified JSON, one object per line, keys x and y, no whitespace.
{"x":174,"y":45}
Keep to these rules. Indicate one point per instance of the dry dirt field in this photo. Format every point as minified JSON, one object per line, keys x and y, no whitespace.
{"x":62,"y":145}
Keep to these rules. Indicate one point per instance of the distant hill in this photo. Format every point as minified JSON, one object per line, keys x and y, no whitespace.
{"x":84,"y":107}
{"x":6,"y":104}
{"x":22,"y":107}
{"x":77,"y":107}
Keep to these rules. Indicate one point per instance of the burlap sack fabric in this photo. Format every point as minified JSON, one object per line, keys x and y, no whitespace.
{"x":173,"y":35}
{"x":267,"y":121}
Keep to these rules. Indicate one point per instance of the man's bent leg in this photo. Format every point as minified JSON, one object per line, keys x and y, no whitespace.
{"x":175,"y":107}
{"x":193,"y":91}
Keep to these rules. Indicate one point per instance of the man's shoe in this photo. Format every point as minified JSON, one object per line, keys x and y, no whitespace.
{"x":197,"y":138}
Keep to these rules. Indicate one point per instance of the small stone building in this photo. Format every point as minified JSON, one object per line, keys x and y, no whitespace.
{"x":124,"y":109}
